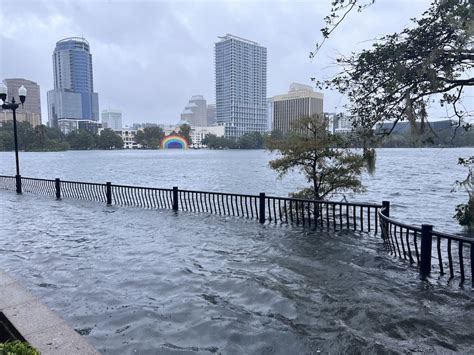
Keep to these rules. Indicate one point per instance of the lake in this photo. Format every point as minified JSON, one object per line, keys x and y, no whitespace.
{"x":417,"y":182}
{"x":139,"y":281}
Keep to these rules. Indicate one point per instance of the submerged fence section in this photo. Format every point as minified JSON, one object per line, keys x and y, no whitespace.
{"x":433,"y":252}
{"x":266,"y":209}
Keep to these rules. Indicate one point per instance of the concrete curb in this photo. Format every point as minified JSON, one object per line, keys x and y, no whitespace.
{"x":40,"y":326}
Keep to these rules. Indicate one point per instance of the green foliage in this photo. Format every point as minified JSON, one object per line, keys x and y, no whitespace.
{"x":465,"y":212}
{"x":313,"y":151}
{"x":81,"y":140}
{"x":185,"y":131}
{"x":397,"y":78}
{"x":108,"y":139}
{"x":40,"y":138}
{"x":17,"y":348}
{"x":253,"y":140}
{"x":214,"y":142}
{"x":150,"y":137}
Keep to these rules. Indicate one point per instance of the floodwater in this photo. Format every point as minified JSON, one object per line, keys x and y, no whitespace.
{"x":137,"y":281}
{"x":417,"y":182}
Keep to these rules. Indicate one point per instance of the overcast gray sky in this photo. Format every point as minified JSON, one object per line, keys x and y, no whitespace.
{"x":150,"y":57}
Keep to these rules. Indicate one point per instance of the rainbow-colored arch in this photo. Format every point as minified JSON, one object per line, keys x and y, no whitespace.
{"x":174,"y":141}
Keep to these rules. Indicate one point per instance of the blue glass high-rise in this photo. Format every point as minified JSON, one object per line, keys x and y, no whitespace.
{"x":73,"y":96}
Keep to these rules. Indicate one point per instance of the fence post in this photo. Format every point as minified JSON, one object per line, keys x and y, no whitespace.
{"x":109,"y":192}
{"x":57,"y":183}
{"x":18,"y":183}
{"x":386,"y":208}
{"x":261,"y":214}
{"x":175,"y":198}
{"x":472,"y":263}
{"x":425,"y":257}
{"x":386,"y":212}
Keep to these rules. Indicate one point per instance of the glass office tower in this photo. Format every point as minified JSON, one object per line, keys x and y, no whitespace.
{"x":73,"y":96}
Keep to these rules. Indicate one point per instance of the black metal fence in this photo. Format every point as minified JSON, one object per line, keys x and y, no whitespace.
{"x":433,"y":252}
{"x":309,"y":213}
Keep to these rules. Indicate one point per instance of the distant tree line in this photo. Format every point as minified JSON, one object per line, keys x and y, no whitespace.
{"x":254,"y":140}
{"x":43,"y":138}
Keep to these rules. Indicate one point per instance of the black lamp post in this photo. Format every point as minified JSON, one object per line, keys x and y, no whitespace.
{"x":13,"y":106}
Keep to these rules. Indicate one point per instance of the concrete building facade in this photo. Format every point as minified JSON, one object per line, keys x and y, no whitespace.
{"x":31,"y":110}
{"x":66,"y":126}
{"x":241,"y":86}
{"x":73,"y":96}
{"x":112,"y":119}
{"x":199,"y":133}
{"x":300,"y":101}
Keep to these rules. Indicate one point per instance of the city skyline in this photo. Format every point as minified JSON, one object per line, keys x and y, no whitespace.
{"x":174,"y":60}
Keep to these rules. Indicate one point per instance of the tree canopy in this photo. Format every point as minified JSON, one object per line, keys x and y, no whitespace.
{"x":150,"y":137}
{"x":402,"y":73}
{"x":39,"y":138}
{"x":313,"y":151}
{"x":108,"y":139}
{"x":185,"y":131}
{"x":251,"y":140}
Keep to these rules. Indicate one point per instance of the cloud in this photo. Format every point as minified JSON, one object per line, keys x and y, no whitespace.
{"x":149,"y":57}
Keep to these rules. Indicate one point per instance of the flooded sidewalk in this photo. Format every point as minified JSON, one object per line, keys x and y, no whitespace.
{"x":156,"y":281}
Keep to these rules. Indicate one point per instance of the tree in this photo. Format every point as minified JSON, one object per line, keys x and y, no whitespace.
{"x":185,"y":131}
{"x":465,"y":211}
{"x":150,"y":137}
{"x":313,"y":151}
{"x":39,"y":138}
{"x":80,"y":139}
{"x":403,"y":72}
{"x":253,"y":140}
{"x":108,"y":139}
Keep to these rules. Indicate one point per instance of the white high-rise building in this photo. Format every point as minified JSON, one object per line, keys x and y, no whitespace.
{"x":112,"y":119}
{"x":241,"y":86}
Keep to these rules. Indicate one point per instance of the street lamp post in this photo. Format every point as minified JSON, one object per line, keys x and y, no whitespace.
{"x":13,"y":106}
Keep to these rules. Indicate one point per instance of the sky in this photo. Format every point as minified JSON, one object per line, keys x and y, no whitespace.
{"x":149,"y":57}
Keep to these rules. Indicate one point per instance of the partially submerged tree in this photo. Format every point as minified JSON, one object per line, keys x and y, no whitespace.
{"x":314,"y":151}
{"x":465,"y":211}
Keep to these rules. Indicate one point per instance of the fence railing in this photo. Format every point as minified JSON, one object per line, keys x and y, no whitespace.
{"x":309,"y":213}
{"x":433,"y":252}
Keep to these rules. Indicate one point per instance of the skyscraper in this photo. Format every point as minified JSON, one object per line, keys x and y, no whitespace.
{"x":241,"y":85}
{"x":73,"y":96}
{"x":300,"y":101}
{"x":30,"y":111}
{"x":112,"y":119}
{"x":195,"y":111}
